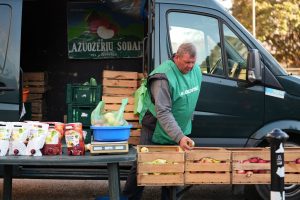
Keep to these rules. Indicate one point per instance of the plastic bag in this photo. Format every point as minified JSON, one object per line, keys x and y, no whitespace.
{"x":139,"y":96}
{"x":96,"y":116}
{"x":113,"y":118}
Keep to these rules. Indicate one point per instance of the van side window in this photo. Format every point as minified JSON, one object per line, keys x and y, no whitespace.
{"x":5,"y":17}
{"x":236,"y":52}
{"x":203,"y":32}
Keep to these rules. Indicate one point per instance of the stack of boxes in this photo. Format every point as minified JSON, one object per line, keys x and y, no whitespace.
{"x":81,"y":101}
{"x":116,"y":86}
{"x":36,"y":83}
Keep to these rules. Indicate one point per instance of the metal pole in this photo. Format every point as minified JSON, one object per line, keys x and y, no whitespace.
{"x":276,"y":138}
{"x":253,"y":19}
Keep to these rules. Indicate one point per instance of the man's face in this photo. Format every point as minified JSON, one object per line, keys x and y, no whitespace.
{"x":185,"y":63}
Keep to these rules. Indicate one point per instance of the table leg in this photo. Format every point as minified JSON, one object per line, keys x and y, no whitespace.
{"x":7,"y":182}
{"x":113,"y":181}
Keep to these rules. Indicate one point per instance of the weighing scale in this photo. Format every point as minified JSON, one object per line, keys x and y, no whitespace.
{"x":109,"y":147}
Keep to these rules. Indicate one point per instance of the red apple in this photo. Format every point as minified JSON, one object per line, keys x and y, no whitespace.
{"x":241,"y":172}
{"x":297,"y":161}
{"x":253,"y":160}
{"x":246,"y":161}
{"x":262,"y":161}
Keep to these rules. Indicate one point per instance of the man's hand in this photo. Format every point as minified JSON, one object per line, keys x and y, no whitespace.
{"x":186,"y":143}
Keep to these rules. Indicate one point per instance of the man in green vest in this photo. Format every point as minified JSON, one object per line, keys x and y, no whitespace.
{"x":172,"y":92}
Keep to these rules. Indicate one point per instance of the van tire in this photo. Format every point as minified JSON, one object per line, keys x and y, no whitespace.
{"x":292,"y":192}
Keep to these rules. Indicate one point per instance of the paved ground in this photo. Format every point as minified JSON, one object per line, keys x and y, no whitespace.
{"x":25,"y":189}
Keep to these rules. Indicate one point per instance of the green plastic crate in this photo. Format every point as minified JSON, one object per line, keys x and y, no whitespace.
{"x":83,"y":94}
{"x":77,"y":113}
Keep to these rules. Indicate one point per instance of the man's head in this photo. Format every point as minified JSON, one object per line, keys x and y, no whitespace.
{"x":185,"y":57}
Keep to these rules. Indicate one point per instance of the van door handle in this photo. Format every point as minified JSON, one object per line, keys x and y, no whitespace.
{"x":7,"y":89}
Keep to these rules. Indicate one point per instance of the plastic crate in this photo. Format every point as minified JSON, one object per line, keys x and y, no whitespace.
{"x":77,"y":113}
{"x":111,"y":133}
{"x":83,"y":94}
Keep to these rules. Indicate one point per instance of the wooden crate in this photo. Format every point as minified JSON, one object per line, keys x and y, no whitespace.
{"x":170,"y":173}
{"x":37,"y":117}
{"x":207,"y":166}
{"x":119,"y":83}
{"x":114,"y":103}
{"x":292,"y":169}
{"x":134,"y":138}
{"x":120,"y":75}
{"x":35,"y":81}
{"x":116,"y":86}
{"x":245,"y":169}
{"x":37,"y":106}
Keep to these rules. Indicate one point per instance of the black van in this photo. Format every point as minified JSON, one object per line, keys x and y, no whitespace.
{"x":245,"y":92}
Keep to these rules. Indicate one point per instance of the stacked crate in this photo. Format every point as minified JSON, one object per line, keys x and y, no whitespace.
{"x":81,"y":101}
{"x":118,"y":85}
{"x":36,"y":83}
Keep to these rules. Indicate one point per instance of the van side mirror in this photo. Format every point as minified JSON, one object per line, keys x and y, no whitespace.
{"x":254,"y":66}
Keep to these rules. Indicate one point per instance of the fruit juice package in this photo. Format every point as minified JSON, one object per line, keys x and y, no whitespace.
{"x":36,"y":139}
{"x":19,"y":138}
{"x":53,"y":143}
{"x":74,"y":139}
{"x":5,"y":133}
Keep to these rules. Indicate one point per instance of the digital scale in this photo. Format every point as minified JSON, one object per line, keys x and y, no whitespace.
{"x":109,"y":147}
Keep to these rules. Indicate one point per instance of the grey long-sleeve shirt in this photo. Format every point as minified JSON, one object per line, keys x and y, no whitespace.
{"x":163,"y":107}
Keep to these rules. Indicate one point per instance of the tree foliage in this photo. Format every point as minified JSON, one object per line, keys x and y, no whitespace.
{"x":277,"y":26}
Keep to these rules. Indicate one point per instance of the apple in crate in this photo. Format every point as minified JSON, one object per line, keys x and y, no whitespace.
{"x":241,"y":172}
{"x":253,"y":160}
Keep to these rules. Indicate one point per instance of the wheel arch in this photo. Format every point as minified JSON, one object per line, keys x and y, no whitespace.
{"x":292,"y":127}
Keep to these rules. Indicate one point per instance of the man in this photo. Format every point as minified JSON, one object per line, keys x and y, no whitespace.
{"x":173,"y":91}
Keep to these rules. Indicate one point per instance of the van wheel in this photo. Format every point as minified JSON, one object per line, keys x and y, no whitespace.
{"x":292,"y":192}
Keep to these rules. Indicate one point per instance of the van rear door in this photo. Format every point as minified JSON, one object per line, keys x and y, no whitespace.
{"x":10,"y":36}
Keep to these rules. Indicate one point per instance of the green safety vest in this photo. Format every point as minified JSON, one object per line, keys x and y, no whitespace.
{"x":184,"y":90}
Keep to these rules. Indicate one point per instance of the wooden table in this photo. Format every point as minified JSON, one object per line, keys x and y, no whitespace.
{"x":112,"y":162}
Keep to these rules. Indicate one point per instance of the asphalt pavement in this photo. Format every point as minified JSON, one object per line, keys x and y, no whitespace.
{"x":44,"y":189}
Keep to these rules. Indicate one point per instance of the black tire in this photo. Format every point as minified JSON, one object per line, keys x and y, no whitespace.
{"x":292,"y":192}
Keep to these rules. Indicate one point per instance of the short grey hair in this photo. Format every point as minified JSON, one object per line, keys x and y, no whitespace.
{"x":188,"y":48}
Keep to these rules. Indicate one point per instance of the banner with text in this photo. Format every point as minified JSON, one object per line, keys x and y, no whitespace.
{"x":100,"y":31}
